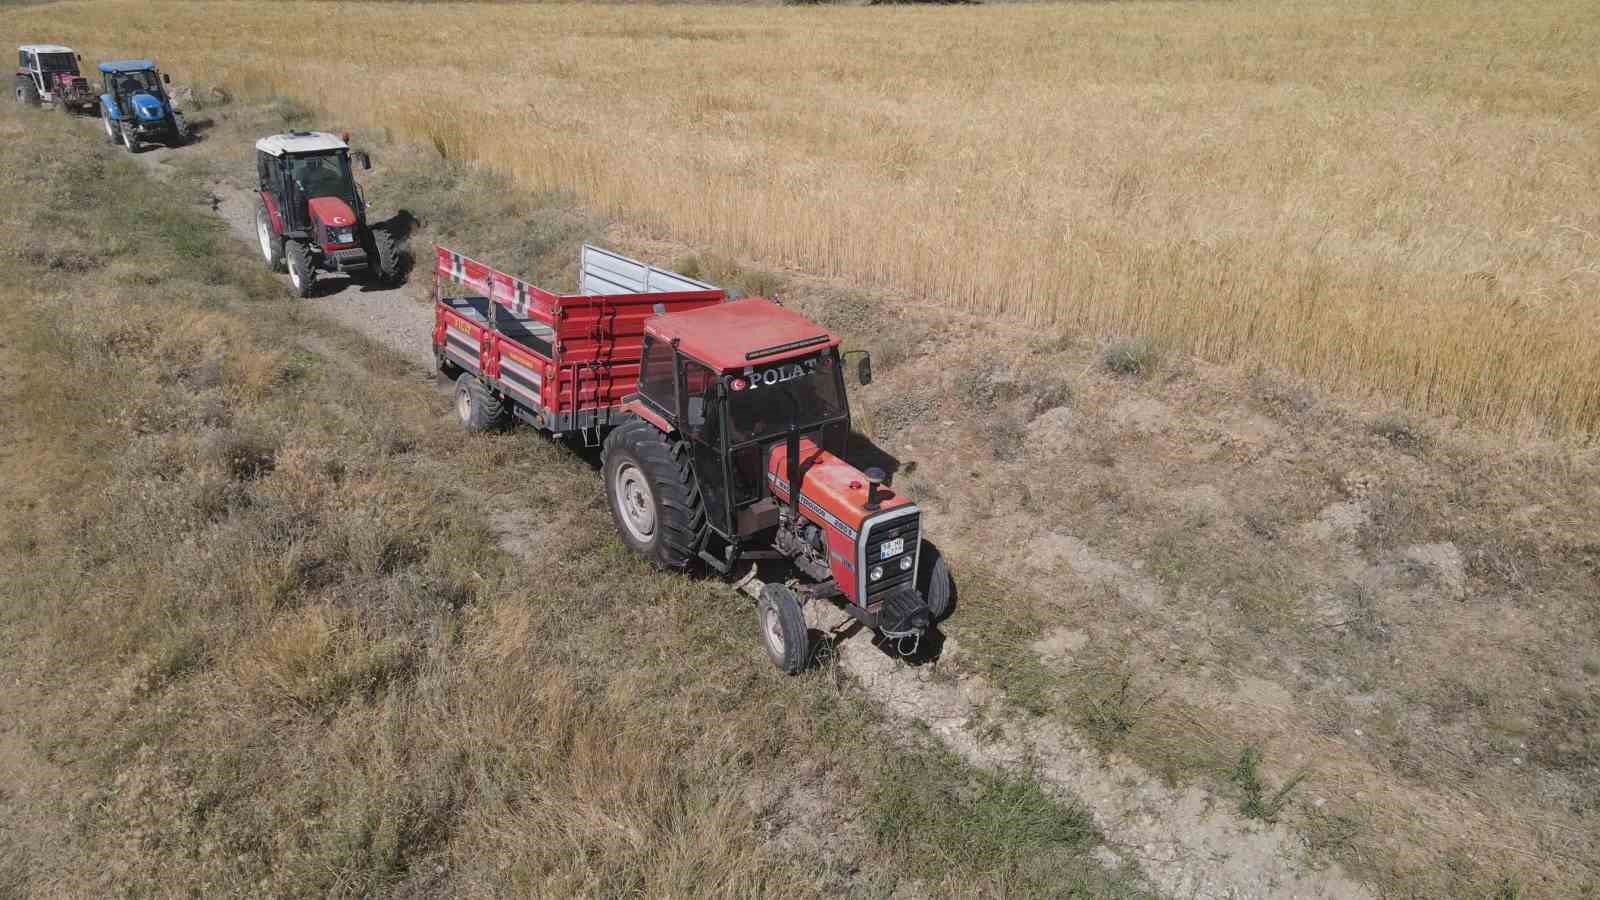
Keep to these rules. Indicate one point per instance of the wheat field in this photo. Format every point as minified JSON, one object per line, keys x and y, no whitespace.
{"x":1390,"y":201}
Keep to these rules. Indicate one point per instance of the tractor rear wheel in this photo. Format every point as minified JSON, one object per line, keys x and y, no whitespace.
{"x":111,"y":130}
{"x":302,"y":275}
{"x":783,"y":628}
{"x":386,"y":256}
{"x":129,"y":140}
{"x":476,"y":407}
{"x":28,"y":94}
{"x":271,"y":244}
{"x":653,"y":495}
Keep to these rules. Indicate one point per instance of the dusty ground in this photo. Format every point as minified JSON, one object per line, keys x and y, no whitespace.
{"x":1166,"y":568}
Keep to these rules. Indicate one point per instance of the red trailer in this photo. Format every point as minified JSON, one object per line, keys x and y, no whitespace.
{"x":564,"y":361}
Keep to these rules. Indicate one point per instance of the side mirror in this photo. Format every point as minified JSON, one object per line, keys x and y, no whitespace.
{"x":363,"y":160}
{"x":165,"y":78}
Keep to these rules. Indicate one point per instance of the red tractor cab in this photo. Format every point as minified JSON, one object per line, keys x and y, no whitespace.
{"x":736,"y":453}
{"x":312,"y":216}
{"x":48,"y":73}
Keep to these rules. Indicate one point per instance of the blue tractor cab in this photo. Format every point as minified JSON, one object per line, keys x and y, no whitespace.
{"x":136,"y":108}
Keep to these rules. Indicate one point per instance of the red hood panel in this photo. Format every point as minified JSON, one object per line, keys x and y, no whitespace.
{"x":331,"y":211}
{"x":834,"y":485}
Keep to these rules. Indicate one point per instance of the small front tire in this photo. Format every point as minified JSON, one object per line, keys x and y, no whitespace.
{"x":935,"y":585}
{"x":783,"y":628}
{"x":476,"y":408}
{"x":302,"y":276}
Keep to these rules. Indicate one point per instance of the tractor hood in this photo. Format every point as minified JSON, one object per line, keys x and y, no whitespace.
{"x":147,"y":107}
{"x":833,"y":493}
{"x":331,"y":211}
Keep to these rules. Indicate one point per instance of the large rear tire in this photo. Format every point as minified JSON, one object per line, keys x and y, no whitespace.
{"x":302,"y":275}
{"x":476,"y":407}
{"x":111,"y":130}
{"x":783,"y":628}
{"x":270,"y":243}
{"x":28,"y":94}
{"x":129,"y":140}
{"x":386,"y":256}
{"x":654,"y":499}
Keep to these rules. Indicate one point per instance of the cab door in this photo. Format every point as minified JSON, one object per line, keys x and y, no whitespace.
{"x":701,"y":413}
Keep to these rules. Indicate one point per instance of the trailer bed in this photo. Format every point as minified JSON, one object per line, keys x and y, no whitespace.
{"x":564,"y":362}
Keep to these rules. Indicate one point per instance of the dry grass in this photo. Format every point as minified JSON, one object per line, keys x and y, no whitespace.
{"x":259,"y":638}
{"x":1390,"y":200}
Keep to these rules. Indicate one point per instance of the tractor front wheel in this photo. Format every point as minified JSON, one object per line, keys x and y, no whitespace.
{"x":653,"y":496}
{"x":937,"y":589}
{"x":271,"y":244}
{"x":783,"y":628}
{"x":476,"y":407}
{"x":386,"y":256}
{"x":302,"y":275}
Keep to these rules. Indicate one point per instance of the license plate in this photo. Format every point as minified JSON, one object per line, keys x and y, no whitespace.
{"x":891,"y":548}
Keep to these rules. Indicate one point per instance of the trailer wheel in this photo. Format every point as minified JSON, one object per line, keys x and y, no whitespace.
{"x":476,"y":407}
{"x":302,"y":277}
{"x":271,"y":244}
{"x":654,"y":499}
{"x":387,"y":255}
{"x":783,"y":628}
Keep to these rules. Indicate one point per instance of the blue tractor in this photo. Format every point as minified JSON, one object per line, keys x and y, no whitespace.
{"x":136,"y":108}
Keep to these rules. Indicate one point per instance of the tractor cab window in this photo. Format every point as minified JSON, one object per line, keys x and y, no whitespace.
{"x":57,"y":62}
{"x":145,"y":82}
{"x":325,"y":175}
{"x":762,"y":402}
{"x":697,"y":385}
{"x":656,"y":383}
{"x":24,"y":59}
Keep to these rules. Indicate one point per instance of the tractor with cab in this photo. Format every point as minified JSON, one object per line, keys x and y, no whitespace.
{"x":723,"y":427}
{"x":136,"y":109}
{"x":311,"y":216}
{"x":48,"y":74}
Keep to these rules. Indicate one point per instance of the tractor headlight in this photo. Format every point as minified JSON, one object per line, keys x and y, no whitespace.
{"x":876,"y":574}
{"x":905,"y":563}
{"x":346,"y":236}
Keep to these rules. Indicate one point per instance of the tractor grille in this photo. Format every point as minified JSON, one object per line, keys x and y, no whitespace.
{"x":907,"y":527}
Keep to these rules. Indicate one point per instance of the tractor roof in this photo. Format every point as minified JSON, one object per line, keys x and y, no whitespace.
{"x":44,"y":48}
{"x":128,"y":65}
{"x":738,"y":334}
{"x":300,"y":142}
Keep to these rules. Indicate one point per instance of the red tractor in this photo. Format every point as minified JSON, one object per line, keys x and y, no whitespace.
{"x":723,"y":425}
{"x":48,"y":73}
{"x":312,"y":217}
